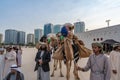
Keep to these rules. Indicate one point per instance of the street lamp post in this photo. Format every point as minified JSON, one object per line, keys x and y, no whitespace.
{"x":108,"y":21}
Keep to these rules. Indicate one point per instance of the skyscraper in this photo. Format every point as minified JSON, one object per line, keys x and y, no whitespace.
{"x":21,"y":37}
{"x":11,"y":36}
{"x":48,"y":28}
{"x":1,"y":38}
{"x":79,"y":27}
{"x":30,"y":38}
{"x":56,"y":28}
{"x":38,"y":34}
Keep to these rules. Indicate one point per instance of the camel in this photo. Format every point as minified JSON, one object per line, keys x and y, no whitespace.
{"x":55,"y":43}
{"x":68,"y":52}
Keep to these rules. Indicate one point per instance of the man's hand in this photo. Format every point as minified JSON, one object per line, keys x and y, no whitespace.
{"x":40,"y":61}
{"x":114,"y":71}
{"x":6,"y":58}
{"x":79,"y":68}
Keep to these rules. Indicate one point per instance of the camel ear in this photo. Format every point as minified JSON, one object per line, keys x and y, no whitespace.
{"x":75,"y":37}
{"x":71,"y":28}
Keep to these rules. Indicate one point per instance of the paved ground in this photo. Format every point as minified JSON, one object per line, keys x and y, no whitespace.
{"x":29,"y":64}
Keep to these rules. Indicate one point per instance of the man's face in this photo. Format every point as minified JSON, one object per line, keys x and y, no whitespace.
{"x":43,"y":47}
{"x":118,"y":48}
{"x":44,"y":40}
{"x":13,"y":71}
{"x":1,"y":52}
{"x":9,"y":49}
{"x":96,"y":49}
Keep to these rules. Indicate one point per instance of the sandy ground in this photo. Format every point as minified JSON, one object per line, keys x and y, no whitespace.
{"x":28,"y":65}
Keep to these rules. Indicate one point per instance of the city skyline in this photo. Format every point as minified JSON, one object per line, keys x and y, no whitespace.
{"x":22,"y":14}
{"x":18,"y":37}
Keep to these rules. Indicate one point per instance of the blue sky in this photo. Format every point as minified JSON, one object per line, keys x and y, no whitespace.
{"x":26,"y":15}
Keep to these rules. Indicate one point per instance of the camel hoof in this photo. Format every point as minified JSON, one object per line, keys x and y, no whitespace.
{"x":61,"y":75}
{"x":55,"y":69}
{"x":52,"y":75}
{"x":77,"y":79}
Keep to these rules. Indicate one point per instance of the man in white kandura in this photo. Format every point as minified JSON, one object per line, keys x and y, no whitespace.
{"x":115,"y":62}
{"x":10,"y":59}
{"x":2,"y":62}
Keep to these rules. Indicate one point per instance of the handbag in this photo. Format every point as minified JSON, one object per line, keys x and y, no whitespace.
{"x":83,"y":51}
{"x":68,"y":49}
{"x":58,"y":54}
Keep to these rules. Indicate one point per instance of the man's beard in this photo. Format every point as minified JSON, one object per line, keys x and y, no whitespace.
{"x":12,"y":72}
{"x":43,"y":48}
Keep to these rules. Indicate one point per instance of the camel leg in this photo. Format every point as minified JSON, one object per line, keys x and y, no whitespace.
{"x":75,"y":72}
{"x":60,"y":66}
{"x":54,"y":67}
{"x":68,"y":69}
{"x":56,"y":63}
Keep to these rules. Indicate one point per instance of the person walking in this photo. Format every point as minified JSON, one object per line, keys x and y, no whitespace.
{"x":19,"y":57}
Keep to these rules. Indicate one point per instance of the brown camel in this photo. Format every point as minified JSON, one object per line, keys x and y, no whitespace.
{"x":56,"y":43}
{"x":68,"y":52}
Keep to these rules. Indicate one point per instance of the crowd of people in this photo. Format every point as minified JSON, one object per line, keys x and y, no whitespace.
{"x":102,"y":67}
{"x":10,"y":63}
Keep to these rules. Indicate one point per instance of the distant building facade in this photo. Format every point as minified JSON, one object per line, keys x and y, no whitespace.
{"x":100,"y":35}
{"x":38,"y":34}
{"x":1,"y":38}
{"x":21,"y":38}
{"x":11,"y":36}
{"x":30,"y":38}
{"x":48,"y":28}
{"x":56,"y":28}
{"x":79,"y":27}
{"x":14,"y":37}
